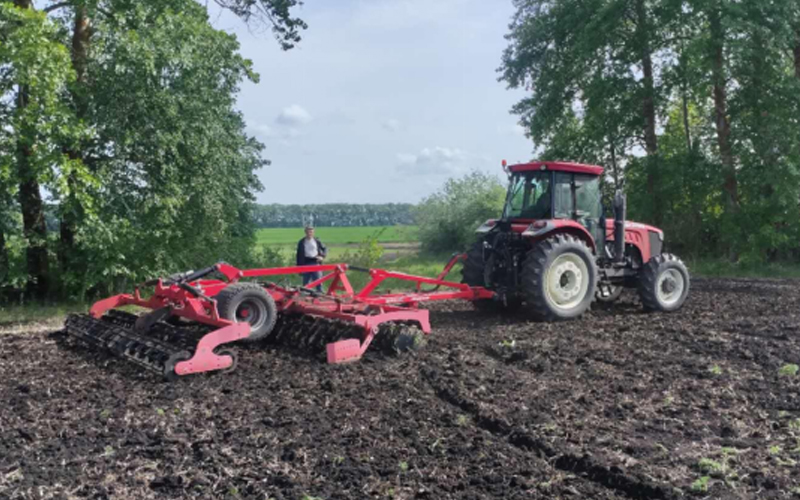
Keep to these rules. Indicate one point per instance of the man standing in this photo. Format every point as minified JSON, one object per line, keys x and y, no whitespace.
{"x":310,"y":252}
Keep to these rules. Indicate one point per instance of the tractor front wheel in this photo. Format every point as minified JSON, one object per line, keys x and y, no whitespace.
{"x":248,"y":303}
{"x":664,"y":283}
{"x":477,"y":272}
{"x":559,"y":278}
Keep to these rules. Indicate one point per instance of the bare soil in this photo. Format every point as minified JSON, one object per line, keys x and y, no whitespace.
{"x":617,"y":405}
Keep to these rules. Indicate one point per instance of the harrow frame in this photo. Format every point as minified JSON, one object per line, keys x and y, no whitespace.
{"x":191,"y":296}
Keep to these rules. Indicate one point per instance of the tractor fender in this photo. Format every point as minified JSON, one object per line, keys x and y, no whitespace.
{"x":542,"y":229}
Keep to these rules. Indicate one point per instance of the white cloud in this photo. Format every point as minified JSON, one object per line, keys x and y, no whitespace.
{"x":392,"y":125}
{"x":437,"y":160}
{"x":262,"y":130}
{"x":293,"y":116}
{"x":281,"y":135}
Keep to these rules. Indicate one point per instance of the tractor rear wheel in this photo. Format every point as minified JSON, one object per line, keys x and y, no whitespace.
{"x":664,"y":283}
{"x":559,"y":278}
{"x":248,"y":303}
{"x":477,"y":272}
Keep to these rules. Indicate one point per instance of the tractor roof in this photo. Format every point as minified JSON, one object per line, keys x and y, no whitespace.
{"x":561,"y":166}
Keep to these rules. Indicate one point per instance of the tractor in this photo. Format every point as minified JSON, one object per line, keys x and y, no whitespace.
{"x":554,"y":252}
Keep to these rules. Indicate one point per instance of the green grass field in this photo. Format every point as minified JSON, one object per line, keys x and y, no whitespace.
{"x":340,"y":239}
{"x":337,"y":236}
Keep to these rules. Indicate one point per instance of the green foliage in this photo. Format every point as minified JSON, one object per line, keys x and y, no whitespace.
{"x":710,"y":466}
{"x":701,"y":485}
{"x":143,"y":153}
{"x":447,"y":219}
{"x":591,"y":99}
{"x":368,"y":253}
{"x":37,"y":123}
{"x":789,"y":370}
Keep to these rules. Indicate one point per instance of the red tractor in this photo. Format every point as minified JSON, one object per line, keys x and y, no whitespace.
{"x":554,"y":250}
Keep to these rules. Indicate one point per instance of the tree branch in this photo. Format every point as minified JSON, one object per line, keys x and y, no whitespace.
{"x":56,"y":6}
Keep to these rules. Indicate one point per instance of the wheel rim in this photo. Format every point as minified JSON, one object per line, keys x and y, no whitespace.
{"x":251,"y":312}
{"x":567,"y":281}
{"x":670,"y":287}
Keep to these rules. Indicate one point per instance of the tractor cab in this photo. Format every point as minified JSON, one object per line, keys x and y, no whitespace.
{"x":539,"y":191}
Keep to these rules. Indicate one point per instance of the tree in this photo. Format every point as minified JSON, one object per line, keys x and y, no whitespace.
{"x":619,"y":82}
{"x":593,"y":60}
{"x":147,"y":161}
{"x":36,"y":71}
{"x":276,"y":13}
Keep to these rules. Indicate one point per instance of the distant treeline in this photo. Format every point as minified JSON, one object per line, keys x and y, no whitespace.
{"x":334,"y":214}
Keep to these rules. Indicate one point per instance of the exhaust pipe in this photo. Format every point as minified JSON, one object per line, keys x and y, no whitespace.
{"x":619,"y":226}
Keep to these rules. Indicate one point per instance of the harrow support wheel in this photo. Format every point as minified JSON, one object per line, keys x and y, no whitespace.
{"x":475,"y":273}
{"x":559,"y":278}
{"x":248,"y":303}
{"x":664,"y":283}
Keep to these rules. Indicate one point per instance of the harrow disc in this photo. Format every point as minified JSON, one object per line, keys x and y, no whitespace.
{"x":157,"y":350}
{"x":313,"y":333}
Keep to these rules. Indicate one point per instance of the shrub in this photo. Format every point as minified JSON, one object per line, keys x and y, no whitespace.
{"x":448,"y":218}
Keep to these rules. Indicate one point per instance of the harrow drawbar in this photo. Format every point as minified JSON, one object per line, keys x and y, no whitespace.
{"x":191,"y":318}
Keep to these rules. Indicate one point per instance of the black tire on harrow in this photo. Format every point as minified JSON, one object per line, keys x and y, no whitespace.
{"x":473,"y":273}
{"x":561,"y":249}
{"x":248,"y":303}
{"x":655,"y":289}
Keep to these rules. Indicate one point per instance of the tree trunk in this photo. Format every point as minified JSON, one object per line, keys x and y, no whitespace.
{"x":686,"y":129}
{"x":3,"y":260}
{"x":70,"y":216}
{"x":30,"y":200}
{"x":33,"y":221}
{"x":723,"y":126}
{"x":648,"y":106}
{"x":797,"y":54}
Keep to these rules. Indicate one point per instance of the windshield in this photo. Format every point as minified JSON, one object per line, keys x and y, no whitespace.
{"x":529,"y":196}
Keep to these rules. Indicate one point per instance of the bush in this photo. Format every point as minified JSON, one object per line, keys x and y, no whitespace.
{"x":448,"y":218}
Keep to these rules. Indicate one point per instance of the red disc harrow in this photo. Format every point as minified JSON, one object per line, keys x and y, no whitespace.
{"x":191,"y":316}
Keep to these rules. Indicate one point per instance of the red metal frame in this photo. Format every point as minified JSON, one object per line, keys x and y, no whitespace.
{"x":561,"y":166}
{"x":365,"y":308}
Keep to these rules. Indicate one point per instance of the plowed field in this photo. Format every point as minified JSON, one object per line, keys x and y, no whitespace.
{"x":620,"y":404}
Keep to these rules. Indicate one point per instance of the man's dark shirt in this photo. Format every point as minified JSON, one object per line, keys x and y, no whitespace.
{"x":302,"y":260}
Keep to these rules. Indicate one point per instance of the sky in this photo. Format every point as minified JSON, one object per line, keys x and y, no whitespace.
{"x":381,"y":101}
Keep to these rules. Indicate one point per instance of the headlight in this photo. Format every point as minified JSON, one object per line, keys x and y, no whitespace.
{"x":537,"y":227}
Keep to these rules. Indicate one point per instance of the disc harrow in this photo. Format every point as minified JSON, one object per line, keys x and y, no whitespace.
{"x":313,"y":334}
{"x":184,"y":331}
{"x":150,"y":353}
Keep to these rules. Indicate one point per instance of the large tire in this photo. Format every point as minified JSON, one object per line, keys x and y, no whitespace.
{"x":664,"y":283}
{"x":248,"y":303}
{"x":473,"y":273}
{"x":559,"y":278}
